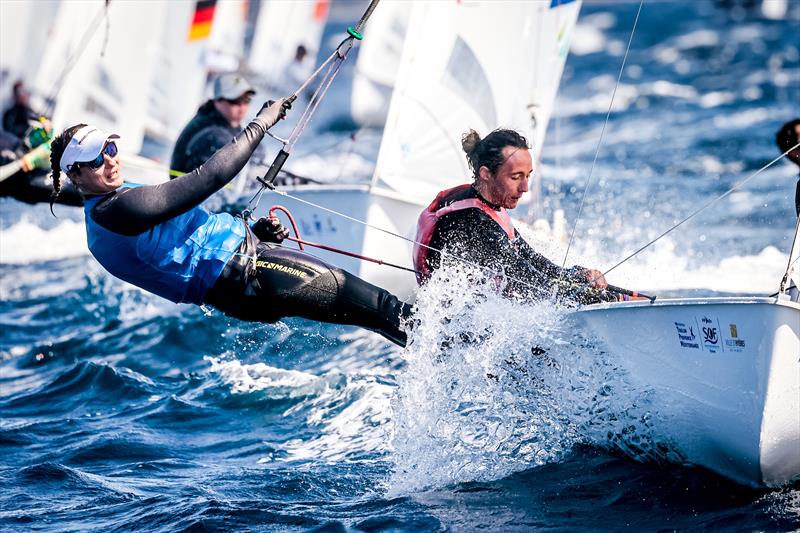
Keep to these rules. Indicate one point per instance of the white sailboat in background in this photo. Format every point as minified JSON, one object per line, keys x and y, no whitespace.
{"x":453,"y":76}
{"x":147,"y":92}
{"x":110,"y":90}
{"x":179,"y":83}
{"x":70,"y":76}
{"x":281,"y":28}
{"x":378,"y":63}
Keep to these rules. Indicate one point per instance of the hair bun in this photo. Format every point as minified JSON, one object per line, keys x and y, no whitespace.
{"x":469,"y":141}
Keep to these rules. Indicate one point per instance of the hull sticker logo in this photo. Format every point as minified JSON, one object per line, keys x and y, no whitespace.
{"x":710,"y":330}
{"x":734,"y":344}
{"x":686,"y":336}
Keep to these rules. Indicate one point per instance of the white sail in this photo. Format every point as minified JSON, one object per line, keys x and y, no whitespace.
{"x":280,"y":29}
{"x":179,"y":82}
{"x":111,"y":90}
{"x":21,"y":27}
{"x":456,"y":74}
{"x":225,"y":47}
{"x":378,"y":62}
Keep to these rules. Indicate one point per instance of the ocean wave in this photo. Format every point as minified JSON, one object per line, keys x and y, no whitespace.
{"x":25,"y":242}
{"x":82,"y":390}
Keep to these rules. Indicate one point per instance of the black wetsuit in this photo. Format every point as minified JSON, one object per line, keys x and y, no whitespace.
{"x":474,"y":236}
{"x":263,"y":282}
{"x":16,"y":119}
{"x":207,"y":132}
{"x":34,"y":186}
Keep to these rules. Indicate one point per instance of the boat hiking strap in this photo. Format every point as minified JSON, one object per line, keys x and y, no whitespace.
{"x":602,"y":133}
{"x":332,"y":64}
{"x":70,"y":63}
{"x":705,"y":206}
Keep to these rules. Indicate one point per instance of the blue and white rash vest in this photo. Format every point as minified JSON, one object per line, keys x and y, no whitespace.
{"x":179,"y":259}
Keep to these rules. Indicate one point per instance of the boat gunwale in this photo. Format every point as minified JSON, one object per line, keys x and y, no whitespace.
{"x":710,"y":300}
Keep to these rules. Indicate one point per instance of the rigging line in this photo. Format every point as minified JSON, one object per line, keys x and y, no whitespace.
{"x":602,"y":133}
{"x":372,"y":5}
{"x":73,"y":59}
{"x":312,"y":107}
{"x":412,"y":241}
{"x":705,"y":206}
{"x":341,"y":53}
{"x":305,"y":116}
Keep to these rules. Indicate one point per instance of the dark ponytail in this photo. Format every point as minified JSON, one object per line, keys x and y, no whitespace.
{"x":57,"y":147}
{"x":488,"y":152}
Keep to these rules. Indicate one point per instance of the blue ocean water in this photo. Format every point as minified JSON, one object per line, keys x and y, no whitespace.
{"x":119,"y":410}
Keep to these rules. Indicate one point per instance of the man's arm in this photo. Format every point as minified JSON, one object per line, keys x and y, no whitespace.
{"x":474,"y":237}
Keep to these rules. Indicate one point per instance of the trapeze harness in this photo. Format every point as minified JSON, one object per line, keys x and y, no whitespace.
{"x":157,"y":238}
{"x":447,"y":202}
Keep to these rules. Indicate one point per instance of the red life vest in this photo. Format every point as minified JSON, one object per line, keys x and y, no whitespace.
{"x":441,"y":206}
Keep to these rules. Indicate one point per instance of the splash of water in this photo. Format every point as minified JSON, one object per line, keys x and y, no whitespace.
{"x":494,"y":386}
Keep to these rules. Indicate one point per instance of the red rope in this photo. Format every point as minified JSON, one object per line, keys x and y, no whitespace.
{"x":300,"y":242}
{"x":291,"y":219}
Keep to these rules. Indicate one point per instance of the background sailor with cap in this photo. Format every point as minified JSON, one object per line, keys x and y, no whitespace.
{"x":217,"y":122}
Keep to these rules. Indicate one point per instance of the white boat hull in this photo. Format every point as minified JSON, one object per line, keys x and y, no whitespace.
{"x":725,"y":374}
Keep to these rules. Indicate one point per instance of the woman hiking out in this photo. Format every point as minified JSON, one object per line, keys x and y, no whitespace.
{"x":159,"y":239}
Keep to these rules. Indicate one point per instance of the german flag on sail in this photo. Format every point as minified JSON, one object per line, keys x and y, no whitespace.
{"x":203,"y":17}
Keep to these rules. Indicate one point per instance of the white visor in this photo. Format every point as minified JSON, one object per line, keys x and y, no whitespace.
{"x":85,"y":145}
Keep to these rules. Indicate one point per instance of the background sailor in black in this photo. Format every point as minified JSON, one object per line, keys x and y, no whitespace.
{"x":216,"y":122}
{"x":16,"y":118}
{"x":501,"y":165}
{"x":260,"y":282}
{"x":787,"y":137}
{"x":25,"y":167}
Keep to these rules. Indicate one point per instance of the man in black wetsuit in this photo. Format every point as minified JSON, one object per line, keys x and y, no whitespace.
{"x":159,"y":238}
{"x":24,"y":168}
{"x":470,"y":222}
{"x":17,"y":117}
{"x":217,"y":122}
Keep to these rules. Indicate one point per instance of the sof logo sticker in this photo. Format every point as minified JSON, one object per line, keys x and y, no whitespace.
{"x":686,"y":336}
{"x":734,"y":344}
{"x":710,"y":334}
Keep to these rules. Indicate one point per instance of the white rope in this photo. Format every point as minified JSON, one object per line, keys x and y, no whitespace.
{"x":704,"y":206}
{"x":397,"y":235}
{"x":602,"y":133}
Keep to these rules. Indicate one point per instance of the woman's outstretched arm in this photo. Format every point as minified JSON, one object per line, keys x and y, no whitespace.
{"x":132,"y":211}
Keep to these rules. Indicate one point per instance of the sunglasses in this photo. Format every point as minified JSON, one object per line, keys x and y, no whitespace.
{"x":242,"y":100}
{"x":110,"y":150}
